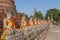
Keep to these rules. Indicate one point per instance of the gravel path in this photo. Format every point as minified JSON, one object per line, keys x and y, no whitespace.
{"x":53,"y":33}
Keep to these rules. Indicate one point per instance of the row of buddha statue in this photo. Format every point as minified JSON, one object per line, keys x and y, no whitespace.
{"x":32,"y":22}
{"x":10,"y":24}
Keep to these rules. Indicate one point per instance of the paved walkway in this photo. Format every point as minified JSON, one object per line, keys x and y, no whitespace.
{"x":53,"y":33}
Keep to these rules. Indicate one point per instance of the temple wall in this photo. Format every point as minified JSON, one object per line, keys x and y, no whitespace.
{"x":4,"y":6}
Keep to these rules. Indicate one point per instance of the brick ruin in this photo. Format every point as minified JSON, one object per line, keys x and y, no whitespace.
{"x":6,"y":5}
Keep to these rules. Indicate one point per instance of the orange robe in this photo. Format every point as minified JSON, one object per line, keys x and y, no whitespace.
{"x":10,"y":24}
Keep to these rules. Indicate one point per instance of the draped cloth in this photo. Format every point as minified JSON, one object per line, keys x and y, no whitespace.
{"x":10,"y":23}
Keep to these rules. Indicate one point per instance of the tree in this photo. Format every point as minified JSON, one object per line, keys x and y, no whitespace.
{"x":39,"y":15}
{"x":23,"y":14}
{"x":54,"y":13}
{"x":59,"y":16}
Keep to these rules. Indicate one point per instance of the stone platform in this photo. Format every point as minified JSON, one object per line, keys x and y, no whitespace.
{"x":37,"y":32}
{"x":53,"y":33}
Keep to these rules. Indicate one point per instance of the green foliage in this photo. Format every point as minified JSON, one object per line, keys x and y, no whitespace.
{"x":55,"y":14}
{"x":23,"y":14}
{"x":59,"y":16}
{"x":26,"y":16}
{"x":39,"y":15}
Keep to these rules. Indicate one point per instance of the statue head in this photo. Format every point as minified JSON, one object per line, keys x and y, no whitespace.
{"x":8,"y":13}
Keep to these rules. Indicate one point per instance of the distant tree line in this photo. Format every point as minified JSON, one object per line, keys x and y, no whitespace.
{"x":54,"y":13}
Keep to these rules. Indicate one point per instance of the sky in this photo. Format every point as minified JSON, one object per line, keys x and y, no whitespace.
{"x":27,"y":6}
